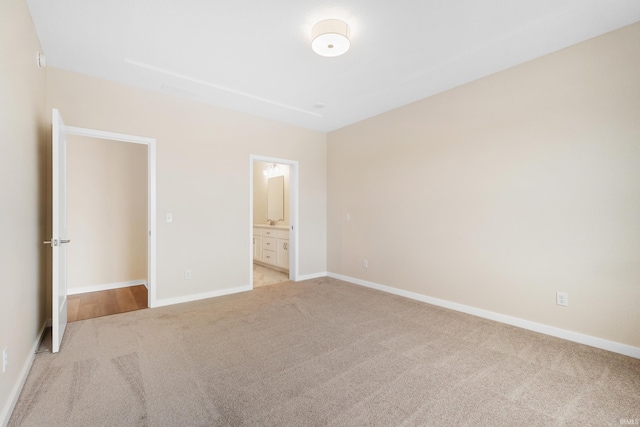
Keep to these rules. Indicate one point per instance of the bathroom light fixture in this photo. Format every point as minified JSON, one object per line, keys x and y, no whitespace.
{"x":330,"y":37}
{"x":272,"y":170}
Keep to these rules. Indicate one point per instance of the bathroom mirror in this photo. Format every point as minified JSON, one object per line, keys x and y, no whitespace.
{"x":275,"y":198}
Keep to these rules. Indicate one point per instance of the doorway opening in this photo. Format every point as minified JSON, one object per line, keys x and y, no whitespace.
{"x":59,"y":239}
{"x":273,"y":214}
{"x":107,"y":216}
{"x":138,"y":292}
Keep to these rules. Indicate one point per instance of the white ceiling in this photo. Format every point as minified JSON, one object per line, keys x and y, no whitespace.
{"x":255,"y":56}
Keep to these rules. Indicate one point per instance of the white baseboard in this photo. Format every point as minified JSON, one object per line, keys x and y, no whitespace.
{"x":22,"y":378}
{"x":311,"y":276}
{"x":589,"y":340}
{"x":106,"y":287}
{"x":205,"y":295}
{"x":271,"y":266}
{"x":229,"y":291}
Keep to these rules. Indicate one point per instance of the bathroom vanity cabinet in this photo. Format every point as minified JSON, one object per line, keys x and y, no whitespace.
{"x":271,"y":246}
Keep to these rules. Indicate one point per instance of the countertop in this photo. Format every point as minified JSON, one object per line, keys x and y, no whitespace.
{"x":277,"y":227}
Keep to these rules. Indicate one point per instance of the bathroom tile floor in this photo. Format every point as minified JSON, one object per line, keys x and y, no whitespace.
{"x":263,"y":276}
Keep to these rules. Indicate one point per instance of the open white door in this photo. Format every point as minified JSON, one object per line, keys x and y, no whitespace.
{"x":59,"y":230}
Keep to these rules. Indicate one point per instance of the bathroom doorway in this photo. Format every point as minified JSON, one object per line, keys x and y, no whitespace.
{"x":273,"y":214}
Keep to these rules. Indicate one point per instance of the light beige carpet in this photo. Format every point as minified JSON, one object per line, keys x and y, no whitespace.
{"x":321,"y":352}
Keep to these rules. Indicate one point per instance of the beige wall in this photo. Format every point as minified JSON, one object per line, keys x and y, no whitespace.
{"x":503,"y":191}
{"x":23,"y":165}
{"x":202,"y":177}
{"x":260,"y":198}
{"x":106,"y":212}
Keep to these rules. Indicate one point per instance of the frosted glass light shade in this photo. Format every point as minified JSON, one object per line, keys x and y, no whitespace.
{"x":330,"y":37}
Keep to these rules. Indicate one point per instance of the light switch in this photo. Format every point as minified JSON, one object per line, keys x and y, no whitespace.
{"x":169,"y":217}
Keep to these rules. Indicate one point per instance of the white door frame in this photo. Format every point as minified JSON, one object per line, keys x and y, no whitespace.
{"x":151,"y":194}
{"x":293,"y":213}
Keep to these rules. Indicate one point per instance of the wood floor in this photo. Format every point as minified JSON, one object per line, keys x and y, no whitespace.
{"x":104,"y":303}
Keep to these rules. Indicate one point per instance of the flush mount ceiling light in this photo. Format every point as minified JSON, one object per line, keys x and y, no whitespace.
{"x":330,"y":37}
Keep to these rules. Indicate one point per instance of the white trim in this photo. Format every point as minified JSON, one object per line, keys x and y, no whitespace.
{"x":251,"y":249}
{"x":22,"y":378}
{"x":151,"y":195}
{"x":294,"y":219}
{"x":293,"y":213}
{"x":311,"y":276}
{"x":271,"y":266}
{"x":589,"y":340}
{"x":205,"y":295}
{"x":106,"y":287}
{"x":151,"y":223}
{"x":113,"y":136}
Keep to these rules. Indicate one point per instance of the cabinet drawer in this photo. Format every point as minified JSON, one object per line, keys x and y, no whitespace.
{"x":269,"y":256}
{"x":268,"y":232}
{"x":269,"y":243}
{"x":282,"y":234}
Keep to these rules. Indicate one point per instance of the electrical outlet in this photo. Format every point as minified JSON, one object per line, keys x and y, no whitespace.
{"x":187,"y":274}
{"x":562,"y":298}
{"x":365,"y":263}
{"x":5,"y":359}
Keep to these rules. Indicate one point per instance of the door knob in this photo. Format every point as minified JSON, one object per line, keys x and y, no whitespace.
{"x":56,"y":242}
